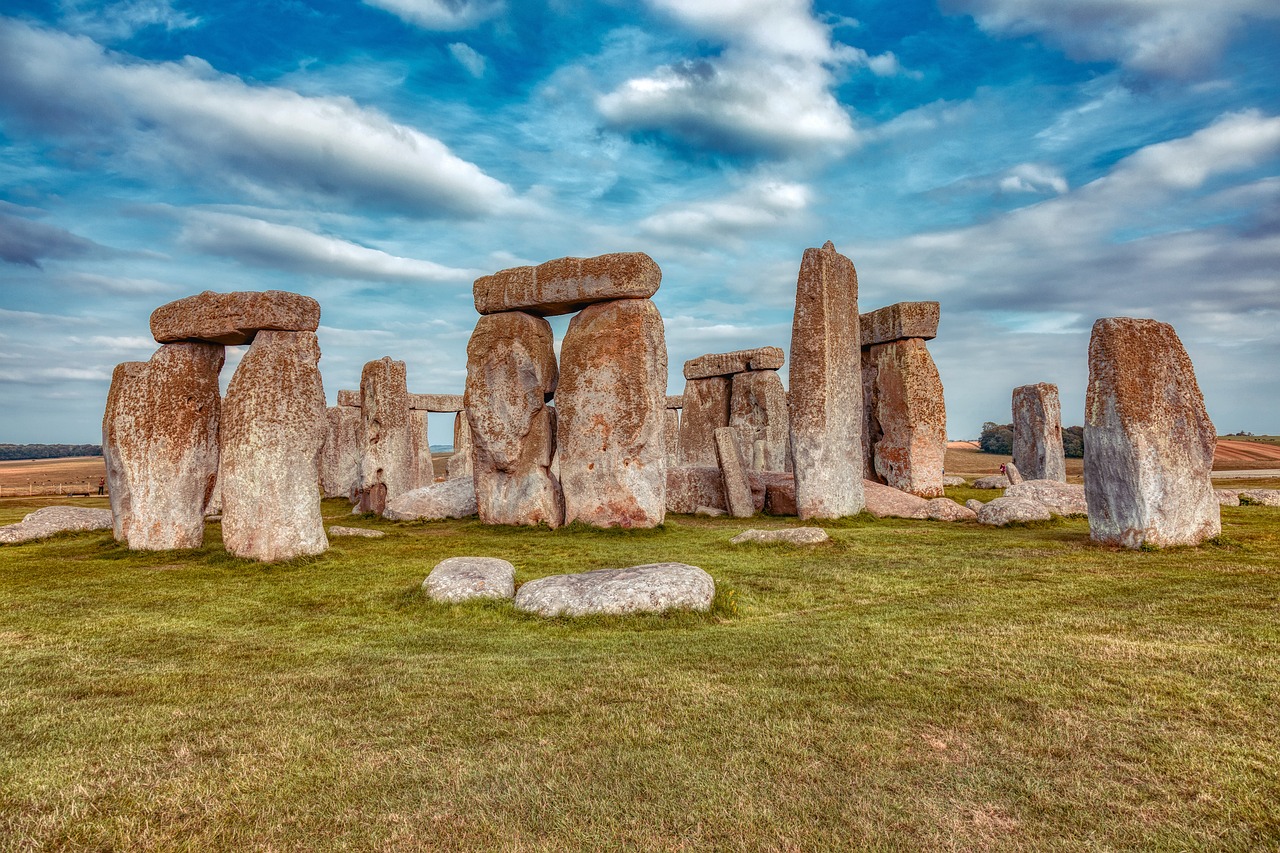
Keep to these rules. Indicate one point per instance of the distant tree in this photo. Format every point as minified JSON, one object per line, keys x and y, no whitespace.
{"x":48,"y":451}
{"x":996,"y":438}
{"x":1073,"y":442}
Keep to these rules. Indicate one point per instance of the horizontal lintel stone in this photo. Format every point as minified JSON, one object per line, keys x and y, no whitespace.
{"x":728,"y":363}
{"x":436,"y":402}
{"x":898,"y":322}
{"x":566,"y":285}
{"x":233,"y":319}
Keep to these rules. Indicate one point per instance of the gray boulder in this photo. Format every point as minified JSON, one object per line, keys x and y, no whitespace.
{"x":365,"y":532}
{"x":1261,"y":497}
{"x":464,"y":578}
{"x":994,"y":481}
{"x":790,"y":535}
{"x":1227,"y":497}
{"x":1061,"y":498}
{"x":885,"y":501}
{"x":953,"y":480}
{"x":945,"y":509}
{"x":454,"y":498}
{"x":653,"y":588}
{"x":1006,"y":510}
{"x":49,"y":520}
{"x":974,"y":504}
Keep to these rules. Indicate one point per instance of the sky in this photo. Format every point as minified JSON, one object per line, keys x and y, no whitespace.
{"x":1033,"y":165}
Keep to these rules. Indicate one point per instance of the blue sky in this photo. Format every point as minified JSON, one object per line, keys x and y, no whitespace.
{"x":1031,"y":164}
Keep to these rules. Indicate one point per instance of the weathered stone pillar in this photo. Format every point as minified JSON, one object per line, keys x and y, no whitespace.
{"x":160,"y":445}
{"x":826,"y":396}
{"x":737,"y":488}
{"x":511,"y":373}
{"x":706,"y":409}
{"x":424,"y":473}
{"x":343,"y":445}
{"x":460,"y":462}
{"x":273,"y":429}
{"x":388,"y":465}
{"x":1037,"y":433}
{"x":671,"y":436}
{"x":1148,"y":441}
{"x":758,"y":410}
{"x":612,"y":404}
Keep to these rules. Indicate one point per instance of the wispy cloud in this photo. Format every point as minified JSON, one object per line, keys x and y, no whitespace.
{"x":764,"y":204}
{"x":118,"y":21}
{"x":25,"y":242}
{"x":441,"y":15}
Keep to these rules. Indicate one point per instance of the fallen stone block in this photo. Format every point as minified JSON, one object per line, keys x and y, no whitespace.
{"x":945,"y":509}
{"x":994,"y":481}
{"x":1227,"y":497}
{"x":692,"y":486}
{"x":454,"y":498}
{"x":790,"y":536}
{"x":359,"y":532}
{"x":974,"y":504}
{"x":1061,"y":498}
{"x":652,"y":588}
{"x":885,"y":501}
{"x":1002,"y":511}
{"x":1261,"y":497}
{"x":952,"y":480}
{"x":459,"y":579}
{"x":50,"y":520}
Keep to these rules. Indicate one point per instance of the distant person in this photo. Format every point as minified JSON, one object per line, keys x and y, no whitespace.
{"x":102,"y":485}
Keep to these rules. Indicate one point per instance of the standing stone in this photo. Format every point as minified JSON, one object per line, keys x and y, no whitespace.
{"x":511,"y":373}
{"x":1037,"y":433}
{"x":826,"y":398}
{"x":273,"y":427}
{"x":706,"y":409}
{"x":758,"y":410}
{"x":424,"y":473}
{"x":160,"y":443}
{"x":459,"y":465}
{"x":343,"y":445}
{"x":906,"y":418}
{"x":737,"y":489}
{"x":1148,"y":441}
{"x":671,"y":436}
{"x":388,"y":465}
{"x":612,"y":404}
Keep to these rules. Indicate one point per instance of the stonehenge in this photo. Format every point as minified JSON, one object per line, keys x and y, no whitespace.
{"x":739,"y":389}
{"x":1037,"y":433}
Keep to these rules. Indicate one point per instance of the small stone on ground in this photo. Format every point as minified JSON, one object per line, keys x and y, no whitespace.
{"x":790,"y":535}
{"x":459,"y":579}
{"x":50,"y":520}
{"x":1002,"y":511}
{"x":336,"y":530}
{"x":651,"y":588}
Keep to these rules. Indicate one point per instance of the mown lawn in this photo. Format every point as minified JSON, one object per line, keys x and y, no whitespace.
{"x":910,"y":685}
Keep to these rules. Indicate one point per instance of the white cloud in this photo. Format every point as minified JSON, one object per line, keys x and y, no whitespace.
{"x":1032,"y":178}
{"x":766,"y":204}
{"x":1171,"y":38}
{"x":265,"y":141}
{"x":94,"y":283}
{"x":118,"y":21}
{"x":255,"y":242}
{"x":468,"y":58}
{"x":441,"y":15}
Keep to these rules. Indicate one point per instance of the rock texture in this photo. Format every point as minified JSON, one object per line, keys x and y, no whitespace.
{"x":388,"y":463}
{"x":826,"y":400}
{"x":652,"y":588}
{"x":356,"y":532}
{"x":273,"y":427}
{"x":671,"y":436}
{"x":993,"y":481}
{"x":729,"y":363}
{"x":950,"y":480}
{"x":706,"y":409}
{"x":459,"y":464}
{"x":945,"y":509}
{"x":612,"y":403}
{"x":780,"y":493}
{"x":511,"y":373}
{"x":160,"y":445}
{"x":790,"y":535}
{"x":1011,"y":473}
{"x":1060,"y":498}
{"x":905,"y":429}
{"x":566,"y":285}
{"x":974,"y":504}
{"x":737,"y":489}
{"x":459,"y":579}
{"x":1227,"y":497}
{"x":424,"y":472}
{"x":899,"y":322}
{"x":343,"y":446}
{"x":454,"y":498}
{"x":349,"y":398}
{"x":758,"y":411}
{"x":50,"y":520}
{"x":1037,"y":433}
{"x":1007,"y":510}
{"x":887,"y":502}
{"x":1260,"y":497}
{"x":445,"y":403}
{"x":1148,"y":441}
{"x":691,"y":487}
{"x":233,"y":318}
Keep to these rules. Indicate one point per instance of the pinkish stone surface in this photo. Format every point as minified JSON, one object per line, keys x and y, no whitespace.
{"x":343,"y":445}
{"x":729,"y":363}
{"x":1037,"y":433}
{"x":906,"y":417}
{"x":566,"y":285}
{"x":737,"y":489}
{"x":233,"y":318}
{"x":445,"y":403}
{"x":758,"y":410}
{"x":706,"y":409}
{"x":899,"y":322}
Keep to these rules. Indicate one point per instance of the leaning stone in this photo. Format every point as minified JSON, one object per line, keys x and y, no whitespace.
{"x":1006,"y":510}
{"x":653,"y":588}
{"x":1060,"y":498}
{"x":1148,"y":441}
{"x":1261,"y":497}
{"x":711,"y":512}
{"x":1012,"y":474}
{"x":365,"y":532}
{"x":511,"y":373}
{"x":706,"y":409}
{"x":233,"y":318}
{"x":887,"y":502}
{"x":1037,"y":432}
{"x":899,"y":322}
{"x":825,"y":401}
{"x":612,"y":416}
{"x":388,"y":465}
{"x":994,"y":481}
{"x":1227,"y":497}
{"x":729,"y":363}
{"x":737,"y":491}
{"x":945,"y":509}
{"x":566,"y":285}
{"x":454,"y":498}
{"x":758,"y":410}
{"x":974,"y":504}
{"x":790,"y":535}
{"x":51,"y":520}
{"x":160,"y":445}
{"x":951,"y":480}
{"x":273,"y":427}
{"x":906,"y":418}
{"x":459,"y":579}
{"x":343,"y":446}
{"x":443,"y":403}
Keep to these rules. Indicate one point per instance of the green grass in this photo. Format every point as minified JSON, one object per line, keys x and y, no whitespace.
{"x":909,"y":685}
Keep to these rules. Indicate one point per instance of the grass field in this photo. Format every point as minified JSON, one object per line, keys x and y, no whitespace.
{"x":910,"y":685}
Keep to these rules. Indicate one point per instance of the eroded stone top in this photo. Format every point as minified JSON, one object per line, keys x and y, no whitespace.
{"x":898,"y":322}
{"x":566,"y":285}
{"x":234,"y":318}
{"x":729,"y":363}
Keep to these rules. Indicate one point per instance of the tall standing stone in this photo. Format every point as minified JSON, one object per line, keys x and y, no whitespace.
{"x":459,"y":464}
{"x":160,"y":443}
{"x":906,"y":420}
{"x":671,"y":436}
{"x":758,"y":410}
{"x":388,"y":465}
{"x":273,"y":429}
{"x":1148,"y":441}
{"x":737,"y":487}
{"x":612,"y":404}
{"x":424,"y":473}
{"x":706,"y":409}
{"x":1037,"y":433}
{"x":826,"y":396}
{"x":511,"y":373}
{"x":343,"y":445}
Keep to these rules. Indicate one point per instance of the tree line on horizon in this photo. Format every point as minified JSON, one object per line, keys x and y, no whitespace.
{"x":998,"y":438}
{"x":47,"y":451}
